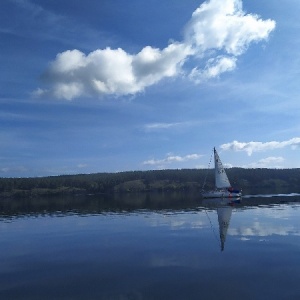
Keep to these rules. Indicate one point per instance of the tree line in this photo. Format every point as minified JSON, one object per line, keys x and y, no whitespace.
{"x":143,"y":181}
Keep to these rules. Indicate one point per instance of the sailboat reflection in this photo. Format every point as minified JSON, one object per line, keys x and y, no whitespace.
{"x":224,"y":207}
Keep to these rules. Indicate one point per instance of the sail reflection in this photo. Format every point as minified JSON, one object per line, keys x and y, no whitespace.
{"x":223,"y":207}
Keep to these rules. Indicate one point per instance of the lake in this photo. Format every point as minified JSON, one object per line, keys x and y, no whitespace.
{"x":150,"y":246}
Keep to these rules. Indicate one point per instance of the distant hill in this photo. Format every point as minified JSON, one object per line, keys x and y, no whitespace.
{"x":143,"y":181}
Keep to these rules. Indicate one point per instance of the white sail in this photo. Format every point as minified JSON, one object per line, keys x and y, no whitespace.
{"x":220,"y":174}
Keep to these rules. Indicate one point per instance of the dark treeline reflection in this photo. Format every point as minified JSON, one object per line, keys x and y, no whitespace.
{"x":102,"y":204}
{"x":96,"y":204}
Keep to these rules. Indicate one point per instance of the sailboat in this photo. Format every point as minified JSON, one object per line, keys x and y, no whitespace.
{"x":223,"y":188}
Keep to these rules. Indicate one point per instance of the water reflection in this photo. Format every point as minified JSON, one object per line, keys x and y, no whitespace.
{"x":149,"y":246}
{"x":98,"y":204}
{"x":223,"y":206}
{"x":103,"y":204}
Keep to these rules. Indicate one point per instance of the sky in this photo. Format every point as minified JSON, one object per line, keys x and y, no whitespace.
{"x":113,"y":85}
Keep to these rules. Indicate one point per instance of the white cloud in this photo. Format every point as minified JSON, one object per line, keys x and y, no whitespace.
{"x":172,"y":159}
{"x":17,"y":169}
{"x":214,"y":68}
{"x":158,"y":126}
{"x":222,"y":25}
{"x":81,"y":166}
{"x":268,"y":162}
{"x":165,"y":126}
{"x":217,"y":33}
{"x":251,"y":147}
{"x":111,"y":71}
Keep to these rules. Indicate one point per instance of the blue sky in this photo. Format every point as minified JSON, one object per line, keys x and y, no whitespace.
{"x":114,"y":85}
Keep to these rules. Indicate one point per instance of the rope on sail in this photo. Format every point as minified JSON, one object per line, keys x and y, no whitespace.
{"x":205,"y":178}
{"x":213,"y":229}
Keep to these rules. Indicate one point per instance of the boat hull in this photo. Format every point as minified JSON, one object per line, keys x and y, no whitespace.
{"x":221,"y":194}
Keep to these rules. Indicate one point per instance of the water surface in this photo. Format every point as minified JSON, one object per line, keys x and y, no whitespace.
{"x":171,"y":246}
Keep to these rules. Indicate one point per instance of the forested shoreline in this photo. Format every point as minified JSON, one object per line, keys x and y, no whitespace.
{"x":148,"y":181}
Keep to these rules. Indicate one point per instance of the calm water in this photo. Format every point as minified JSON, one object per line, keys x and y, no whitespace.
{"x":150,"y":247}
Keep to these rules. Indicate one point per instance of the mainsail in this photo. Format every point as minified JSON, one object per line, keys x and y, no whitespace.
{"x":220,"y":174}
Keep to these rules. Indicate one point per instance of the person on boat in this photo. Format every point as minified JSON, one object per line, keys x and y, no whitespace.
{"x":232,"y":190}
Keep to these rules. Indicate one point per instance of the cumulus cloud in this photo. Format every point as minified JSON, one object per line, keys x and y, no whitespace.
{"x":218,"y":32}
{"x":251,"y":147}
{"x":172,"y":159}
{"x":111,"y":71}
{"x":223,"y":25}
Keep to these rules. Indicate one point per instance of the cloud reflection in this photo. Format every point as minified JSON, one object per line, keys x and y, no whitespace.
{"x":262,"y":230}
